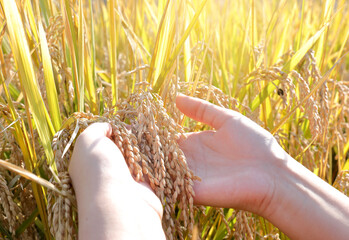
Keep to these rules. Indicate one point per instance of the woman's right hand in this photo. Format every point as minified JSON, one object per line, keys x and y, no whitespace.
{"x":242,"y":166}
{"x":236,"y":162}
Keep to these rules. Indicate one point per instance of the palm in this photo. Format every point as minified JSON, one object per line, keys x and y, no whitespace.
{"x":232,"y":162}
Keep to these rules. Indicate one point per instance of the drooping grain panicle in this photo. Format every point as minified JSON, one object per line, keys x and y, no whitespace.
{"x":10,"y":208}
{"x":149,"y":145}
{"x":150,"y":149}
{"x":289,"y":76}
{"x":11,"y":214}
{"x":60,"y":209}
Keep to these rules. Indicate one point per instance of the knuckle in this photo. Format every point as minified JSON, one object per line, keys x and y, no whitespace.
{"x":201,"y":111}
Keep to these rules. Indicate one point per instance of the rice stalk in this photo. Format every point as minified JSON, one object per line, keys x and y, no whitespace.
{"x":288,"y":76}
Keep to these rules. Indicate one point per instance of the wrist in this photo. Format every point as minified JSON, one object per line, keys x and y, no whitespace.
{"x":303,"y":203}
{"x":275,"y":174}
{"x":284,"y":176}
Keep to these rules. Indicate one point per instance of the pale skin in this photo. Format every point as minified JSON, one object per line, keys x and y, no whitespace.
{"x":240,"y":165}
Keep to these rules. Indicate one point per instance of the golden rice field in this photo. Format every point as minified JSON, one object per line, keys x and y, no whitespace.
{"x":68,"y":63}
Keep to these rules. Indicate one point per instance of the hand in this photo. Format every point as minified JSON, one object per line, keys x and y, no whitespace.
{"x":235,"y":162}
{"x":111,"y":204}
{"x":242,"y":166}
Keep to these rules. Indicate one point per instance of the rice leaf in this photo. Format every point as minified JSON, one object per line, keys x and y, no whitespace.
{"x":130,"y":32}
{"x":23,"y":141}
{"x":91,"y":66}
{"x":31,"y":19}
{"x":267,"y":90}
{"x":113,"y":51}
{"x":15,"y":93}
{"x":298,"y":56}
{"x":321,"y":47}
{"x":242,"y":49}
{"x":72,"y":45}
{"x":45,"y":10}
{"x":300,"y":31}
{"x":346,"y":165}
{"x":178,"y":48}
{"x":26,"y":223}
{"x":346,"y":148}
{"x":5,"y":234}
{"x":280,"y":47}
{"x":340,"y":52}
{"x":198,"y":74}
{"x":165,"y":41}
{"x":30,"y":176}
{"x":222,"y":59}
{"x":51,"y":91}
{"x":81,"y":50}
{"x":275,"y":17}
{"x":30,"y":87}
{"x":187,"y":50}
{"x":29,"y":84}
{"x":157,"y":45}
{"x":90,"y":80}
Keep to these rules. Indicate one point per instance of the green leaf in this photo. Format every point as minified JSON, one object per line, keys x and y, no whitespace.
{"x":289,"y":66}
{"x":26,"y":223}
{"x":264,"y":94}
{"x":178,"y":48}
{"x":298,"y":56}
{"x":81,"y":49}
{"x":157,"y":47}
{"x":51,"y":91}
{"x":27,"y":77}
{"x":72,"y":40}
{"x":113,"y":52}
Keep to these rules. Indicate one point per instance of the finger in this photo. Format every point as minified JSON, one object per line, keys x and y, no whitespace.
{"x":98,"y":130}
{"x":202,"y":111}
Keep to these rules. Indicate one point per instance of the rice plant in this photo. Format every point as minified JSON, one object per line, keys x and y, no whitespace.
{"x":68,"y":63}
